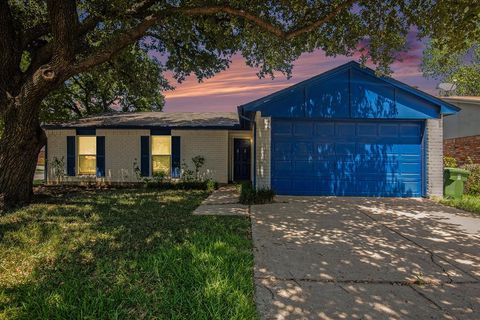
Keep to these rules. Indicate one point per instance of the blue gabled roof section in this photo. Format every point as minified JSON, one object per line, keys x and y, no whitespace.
{"x":350,"y":91}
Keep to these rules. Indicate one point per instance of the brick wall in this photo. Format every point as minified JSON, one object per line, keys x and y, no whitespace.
{"x":262,"y":151}
{"x":211,"y":144}
{"x":122,"y":149}
{"x":434,"y":153}
{"x":463,"y":148}
{"x":57,"y":148}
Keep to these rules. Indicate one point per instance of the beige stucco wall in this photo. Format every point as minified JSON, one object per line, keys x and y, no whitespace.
{"x":434,"y":150}
{"x":212,"y":145}
{"x":262,"y":149}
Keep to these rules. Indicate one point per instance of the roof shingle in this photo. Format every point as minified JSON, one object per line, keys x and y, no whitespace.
{"x":227,"y":120}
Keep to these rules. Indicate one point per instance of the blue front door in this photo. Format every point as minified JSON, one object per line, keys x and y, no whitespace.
{"x":348,"y":158}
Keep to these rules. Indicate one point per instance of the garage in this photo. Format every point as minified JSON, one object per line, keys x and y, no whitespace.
{"x":348,"y":132}
{"x":348,"y":158}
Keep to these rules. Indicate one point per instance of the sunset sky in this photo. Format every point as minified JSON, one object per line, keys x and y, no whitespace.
{"x":239,"y":84}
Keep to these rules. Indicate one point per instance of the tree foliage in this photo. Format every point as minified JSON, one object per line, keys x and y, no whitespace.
{"x":461,"y":68}
{"x":133,"y":81}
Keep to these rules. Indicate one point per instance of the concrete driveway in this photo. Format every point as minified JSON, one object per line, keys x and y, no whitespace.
{"x":367,"y":258}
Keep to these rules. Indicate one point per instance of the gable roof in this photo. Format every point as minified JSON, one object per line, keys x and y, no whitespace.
{"x":445,"y":107}
{"x":147,"y":120}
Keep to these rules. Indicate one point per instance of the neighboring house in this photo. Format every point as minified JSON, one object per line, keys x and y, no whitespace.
{"x":344,"y":132}
{"x":461,"y":133}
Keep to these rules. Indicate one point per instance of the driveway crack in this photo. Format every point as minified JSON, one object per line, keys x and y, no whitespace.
{"x":432,"y":254}
{"x":431,"y":301}
{"x":269,"y":290}
{"x":361,"y":281}
{"x":295,"y":280}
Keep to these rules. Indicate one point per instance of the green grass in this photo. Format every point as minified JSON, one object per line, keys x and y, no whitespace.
{"x":127,"y":254}
{"x":37,"y":183}
{"x":467,"y":203}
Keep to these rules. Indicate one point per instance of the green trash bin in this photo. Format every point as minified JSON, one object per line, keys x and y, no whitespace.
{"x":453,"y":182}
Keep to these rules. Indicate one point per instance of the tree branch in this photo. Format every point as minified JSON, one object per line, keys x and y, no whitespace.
{"x":34,"y":33}
{"x":64,"y":24}
{"x":130,"y":36}
{"x":10,"y":54}
{"x":140,"y":7}
{"x":264,"y":24}
{"x":115,"y":45}
{"x":73,"y":107}
{"x":317,"y":24}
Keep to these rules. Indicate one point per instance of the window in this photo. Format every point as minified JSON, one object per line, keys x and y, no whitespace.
{"x":161,"y":154}
{"x":87,"y":155}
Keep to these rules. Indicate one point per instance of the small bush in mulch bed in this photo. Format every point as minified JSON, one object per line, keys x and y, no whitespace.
{"x":43,"y":192}
{"x":208,"y":185}
{"x":248,"y":195}
{"x":472,"y":185}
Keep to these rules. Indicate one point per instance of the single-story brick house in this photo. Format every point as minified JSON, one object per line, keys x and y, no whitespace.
{"x":344,"y":132}
{"x":461,"y":134}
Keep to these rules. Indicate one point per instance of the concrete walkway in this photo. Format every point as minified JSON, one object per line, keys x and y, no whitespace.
{"x":365,"y":258}
{"x":223,"y":202}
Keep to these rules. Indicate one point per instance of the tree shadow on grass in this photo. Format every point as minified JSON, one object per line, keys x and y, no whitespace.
{"x":125,"y":254}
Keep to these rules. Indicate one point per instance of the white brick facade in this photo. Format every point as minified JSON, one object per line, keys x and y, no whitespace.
{"x":57,"y":149}
{"x":262,"y":150}
{"x":434,"y":155}
{"x":211,"y":144}
{"x":122,"y":150}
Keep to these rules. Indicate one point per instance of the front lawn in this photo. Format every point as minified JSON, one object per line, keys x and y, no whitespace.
{"x":467,"y":203}
{"x":125,"y":254}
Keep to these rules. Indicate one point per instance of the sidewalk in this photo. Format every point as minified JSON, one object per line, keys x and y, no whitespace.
{"x":223,"y":202}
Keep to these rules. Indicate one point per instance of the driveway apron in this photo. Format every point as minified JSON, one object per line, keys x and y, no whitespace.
{"x":366,"y":258}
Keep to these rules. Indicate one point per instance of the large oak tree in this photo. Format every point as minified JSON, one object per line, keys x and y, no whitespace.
{"x":65,"y":38}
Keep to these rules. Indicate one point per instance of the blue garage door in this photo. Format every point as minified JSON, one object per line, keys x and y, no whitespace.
{"x":350,"y":158}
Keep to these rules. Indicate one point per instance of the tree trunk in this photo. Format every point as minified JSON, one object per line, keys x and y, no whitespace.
{"x":20,"y":145}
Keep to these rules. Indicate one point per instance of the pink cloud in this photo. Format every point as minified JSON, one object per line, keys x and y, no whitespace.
{"x":239,"y":84}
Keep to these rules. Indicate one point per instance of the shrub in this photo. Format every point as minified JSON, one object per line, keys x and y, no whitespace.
{"x":264,"y":195}
{"x":198,"y":162}
{"x":211,"y":185}
{"x":248,"y":195}
{"x":472,"y":186}
{"x":208,"y":185}
{"x":58,"y":168}
{"x":188,"y":175}
{"x":449,"y":162}
{"x":160,"y":176}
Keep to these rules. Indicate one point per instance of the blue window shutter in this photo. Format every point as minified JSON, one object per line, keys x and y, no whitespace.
{"x":176,"y":157}
{"x":145,"y":156}
{"x":71,"y":155}
{"x":100,"y":156}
